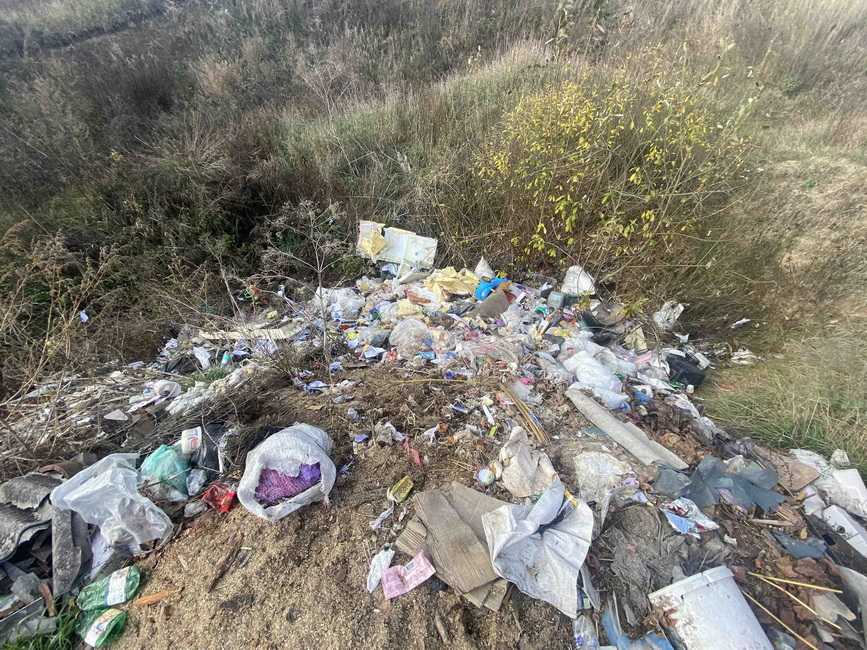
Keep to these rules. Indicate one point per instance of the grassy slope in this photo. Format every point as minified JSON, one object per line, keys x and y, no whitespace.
{"x":174,"y":140}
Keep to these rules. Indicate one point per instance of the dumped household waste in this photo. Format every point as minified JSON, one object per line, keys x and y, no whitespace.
{"x":497,"y":435}
{"x":98,"y":628}
{"x":289,"y":470}
{"x":398,"y":580}
{"x":106,"y":495}
{"x":526,"y":472}
{"x":448,"y":527}
{"x":114,"y":589}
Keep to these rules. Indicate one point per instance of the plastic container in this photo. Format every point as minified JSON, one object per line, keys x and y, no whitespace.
{"x":707,"y":611}
{"x":555,"y":300}
{"x":191,"y":440}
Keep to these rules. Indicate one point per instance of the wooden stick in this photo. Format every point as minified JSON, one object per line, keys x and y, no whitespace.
{"x":48,"y":598}
{"x":801,"y":603}
{"x":772,"y":522}
{"x":535,"y":429}
{"x":806,"y":585}
{"x":228,"y":561}
{"x":788,"y":629}
{"x":153,"y":599}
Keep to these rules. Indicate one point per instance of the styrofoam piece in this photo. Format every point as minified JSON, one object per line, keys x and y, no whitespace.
{"x":395,"y":245}
{"x":707,"y":611}
{"x":854,"y":532}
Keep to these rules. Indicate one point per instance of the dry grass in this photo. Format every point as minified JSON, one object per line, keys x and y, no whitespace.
{"x":812,"y":394}
{"x":175,"y":139}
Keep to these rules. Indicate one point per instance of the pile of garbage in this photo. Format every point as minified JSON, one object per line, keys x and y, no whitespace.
{"x":663,"y":531}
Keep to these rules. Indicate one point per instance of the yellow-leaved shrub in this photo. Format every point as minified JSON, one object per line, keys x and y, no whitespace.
{"x":609,"y":170}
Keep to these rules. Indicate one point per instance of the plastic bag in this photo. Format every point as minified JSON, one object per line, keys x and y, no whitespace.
{"x":614,"y":363}
{"x":219,"y":496}
{"x":113,"y":589}
{"x":598,"y":474}
{"x":495,"y":348}
{"x":399,"y":310}
{"x":164,"y":473}
{"x":286,"y":451}
{"x":380,"y":562}
{"x":100,"y":627}
{"x":526,"y":471}
{"x":584,"y":633}
{"x":342,"y":303}
{"x":667,"y":315}
{"x":483,"y":270}
{"x":106,"y":495}
{"x":591,"y":373}
{"x":196,"y":481}
{"x":409,"y":337}
{"x":577,"y":282}
{"x":486,"y":287}
{"x":577,"y":342}
{"x":540,"y":548}
{"x":553,"y":369}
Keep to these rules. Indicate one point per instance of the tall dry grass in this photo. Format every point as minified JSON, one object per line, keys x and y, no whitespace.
{"x":177,"y":138}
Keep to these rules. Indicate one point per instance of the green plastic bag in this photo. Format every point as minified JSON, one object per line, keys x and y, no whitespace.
{"x":114,"y":589}
{"x":101,"y":626}
{"x":166,"y":467}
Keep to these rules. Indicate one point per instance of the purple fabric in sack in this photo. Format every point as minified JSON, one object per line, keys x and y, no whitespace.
{"x":276,"y":486}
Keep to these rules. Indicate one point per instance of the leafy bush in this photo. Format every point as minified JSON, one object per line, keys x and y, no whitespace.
{"x":600,"y":169}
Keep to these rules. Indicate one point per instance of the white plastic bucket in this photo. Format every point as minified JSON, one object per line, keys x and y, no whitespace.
{"x":707,"y":611}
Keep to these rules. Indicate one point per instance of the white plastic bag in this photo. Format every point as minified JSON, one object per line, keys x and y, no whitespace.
{"x":106,"y":495}
{"x":553,"y":369}
{"x":526,"y":471}
{"x":592,"y":375}
{"x":343,"y":303}
{"x":286,"y":451}
{"x":540,"y":555}
{"x":380,"y":562}
{"x":483,"y":270}
{"x":598,"y":474}
{"x":577,"y":282}
{"x":410,"y":336}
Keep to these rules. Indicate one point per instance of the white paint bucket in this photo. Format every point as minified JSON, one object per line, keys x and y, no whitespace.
{"x":707,"y":611}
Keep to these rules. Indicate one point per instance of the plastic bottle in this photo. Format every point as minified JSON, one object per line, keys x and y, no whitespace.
{"x":114,"y":589}
{"x":584,"y":633}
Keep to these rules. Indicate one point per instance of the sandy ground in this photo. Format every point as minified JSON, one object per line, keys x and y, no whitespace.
{"x":303,"y":582}
{"x":303,"y":586}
